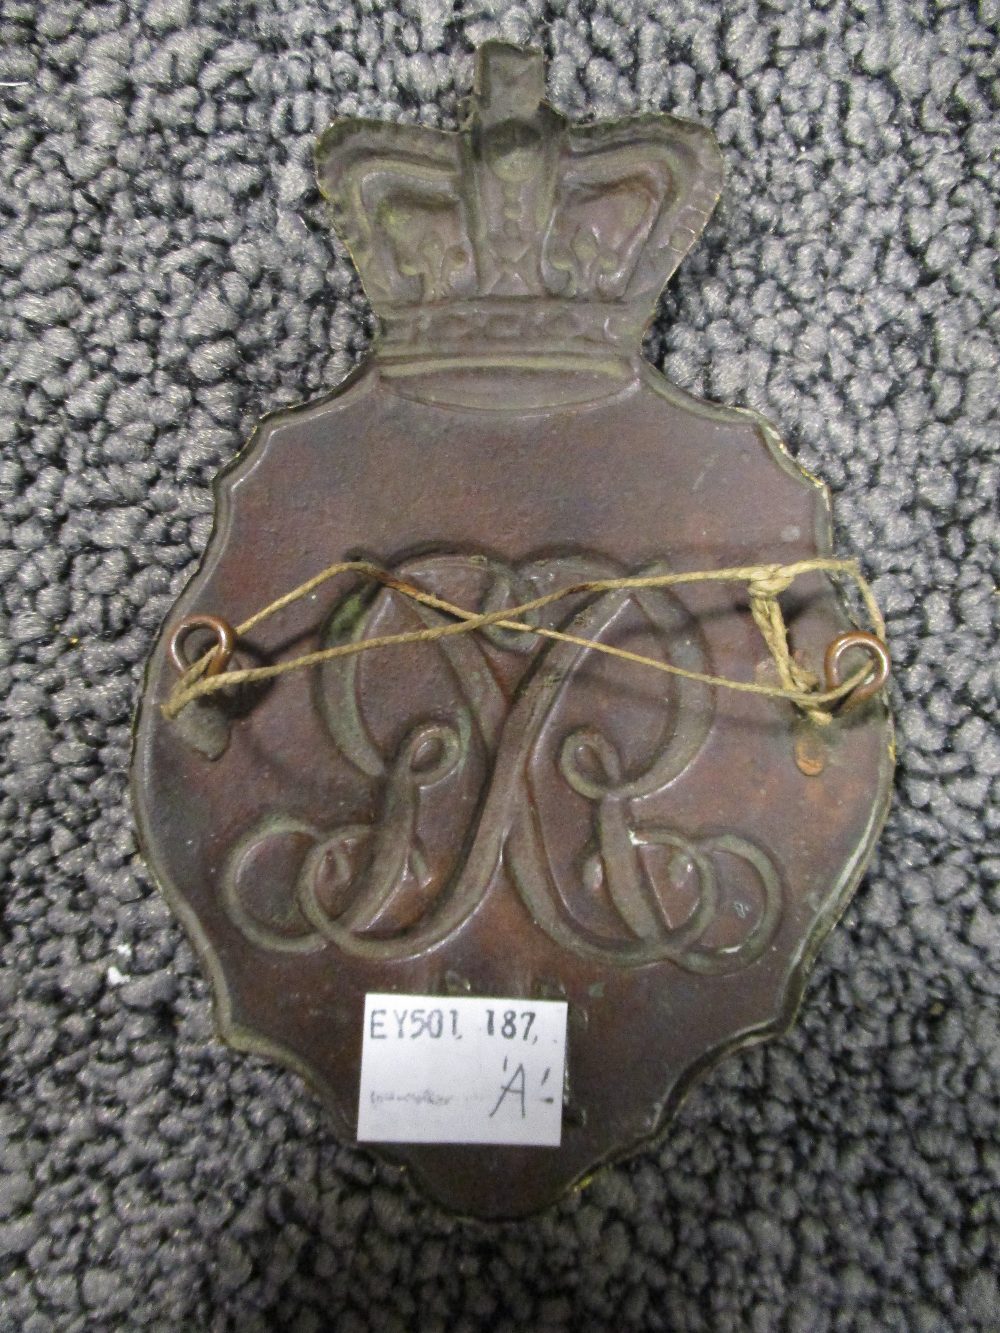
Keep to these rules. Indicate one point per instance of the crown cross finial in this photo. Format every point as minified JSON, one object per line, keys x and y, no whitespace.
{"x":510,"y":169}
{"x":509,"y":81}
{"x":522,"y":230}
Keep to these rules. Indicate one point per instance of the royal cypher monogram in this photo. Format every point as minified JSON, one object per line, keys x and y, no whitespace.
{"x":451,"y":791}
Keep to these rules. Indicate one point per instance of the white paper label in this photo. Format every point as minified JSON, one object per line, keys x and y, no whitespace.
{"x":462,"y":1070}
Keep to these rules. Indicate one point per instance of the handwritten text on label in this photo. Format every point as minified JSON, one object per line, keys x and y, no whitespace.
{"x":462,"y":1070}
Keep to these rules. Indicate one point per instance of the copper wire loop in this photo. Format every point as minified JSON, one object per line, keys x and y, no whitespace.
{"x":876,"y":650}
{"x":225,"y":642}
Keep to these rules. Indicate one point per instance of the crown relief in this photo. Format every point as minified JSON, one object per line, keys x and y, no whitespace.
{"x":521,"y":228}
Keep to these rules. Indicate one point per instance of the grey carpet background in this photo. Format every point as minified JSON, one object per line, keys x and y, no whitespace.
{"x":167,"y":275}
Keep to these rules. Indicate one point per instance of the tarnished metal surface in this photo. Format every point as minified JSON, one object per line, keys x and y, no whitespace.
{"x":488,"y":814}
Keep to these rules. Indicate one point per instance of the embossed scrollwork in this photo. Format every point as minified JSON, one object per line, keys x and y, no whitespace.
{"x":505,"y":749}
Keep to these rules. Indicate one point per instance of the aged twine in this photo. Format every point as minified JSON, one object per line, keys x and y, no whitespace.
{"x":765,"y":583}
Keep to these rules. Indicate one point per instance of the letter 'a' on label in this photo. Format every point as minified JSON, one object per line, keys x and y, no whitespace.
{"x":462,"y":1070}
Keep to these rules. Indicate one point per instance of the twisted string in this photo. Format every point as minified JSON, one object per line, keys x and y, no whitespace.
{"x":765,"y":583}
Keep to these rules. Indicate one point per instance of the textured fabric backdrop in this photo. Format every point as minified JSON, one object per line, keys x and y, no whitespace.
{"x":168,"y":275}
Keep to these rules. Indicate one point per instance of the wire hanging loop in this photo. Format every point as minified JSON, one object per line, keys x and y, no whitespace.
{"x":218,"y":657}
{"x":877,"y":651}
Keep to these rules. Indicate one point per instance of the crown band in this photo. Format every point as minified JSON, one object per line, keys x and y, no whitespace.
{"x":526,"y":326}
